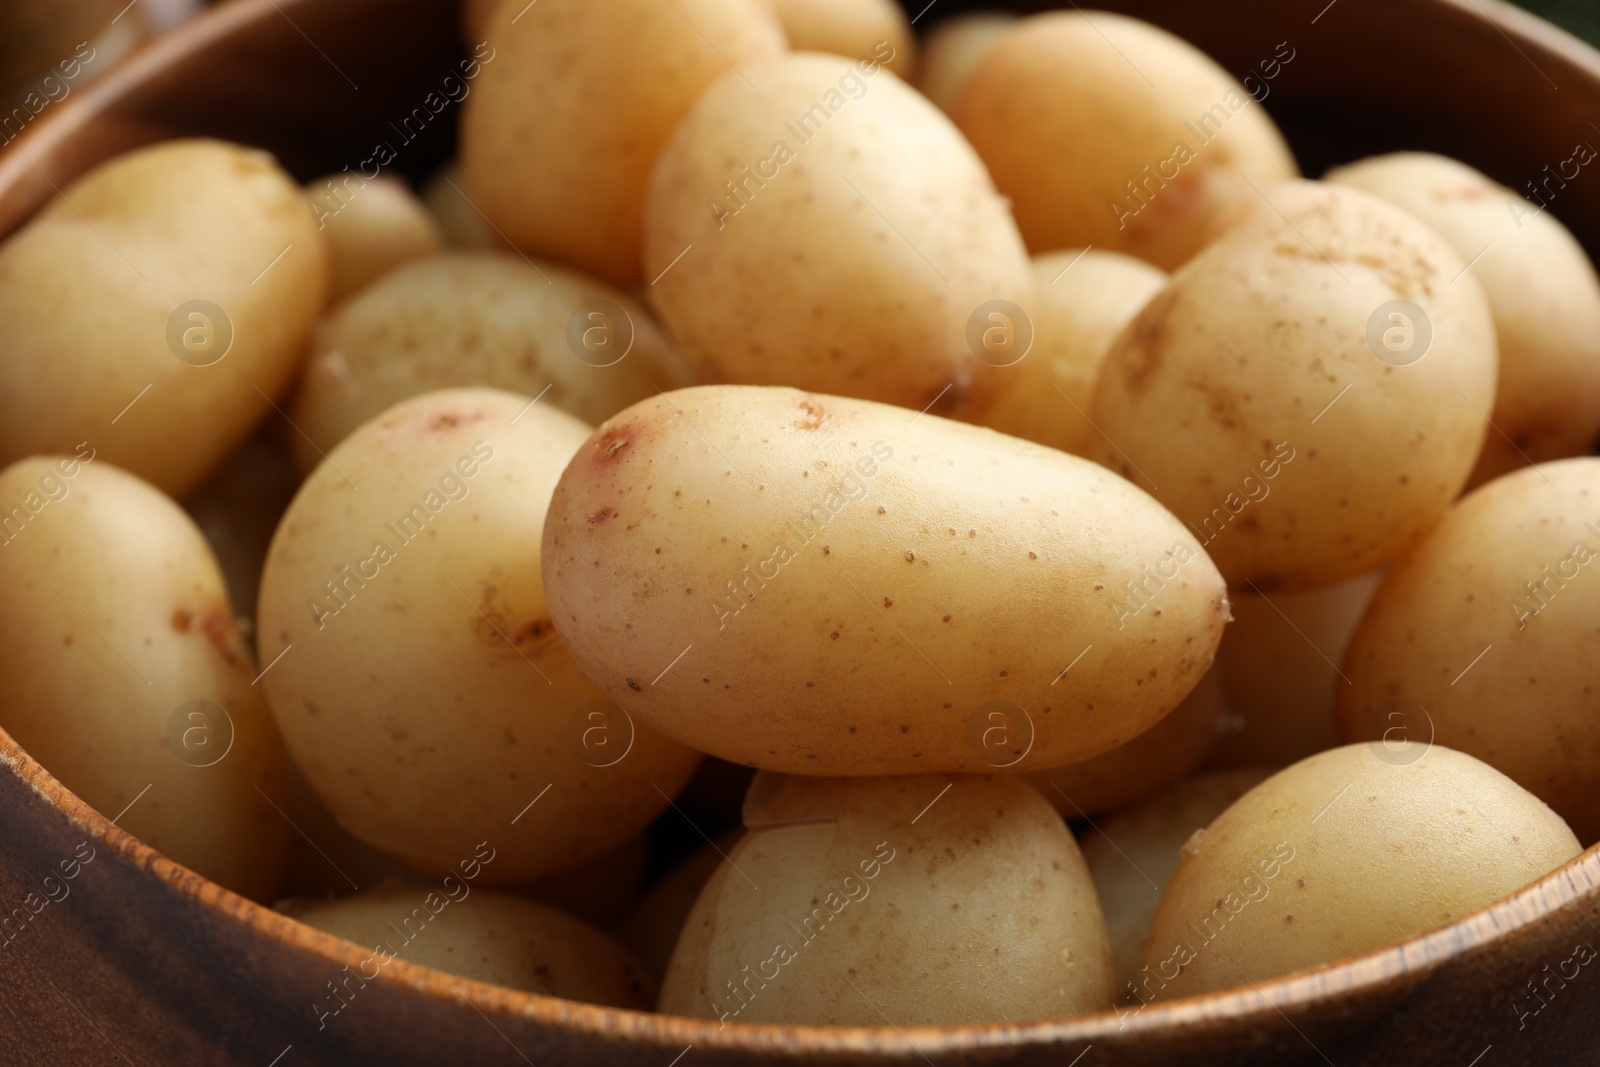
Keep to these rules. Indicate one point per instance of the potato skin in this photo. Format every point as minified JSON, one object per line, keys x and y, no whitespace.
{"x":473,"y":319}
{"x":912,"y":897}
{"x":1541,"y":287}
{"x":428,"y":668}
{"x":197,"y":220}
{"x":1342,"y":853}
{"x":1527,"y":707}
{"x":849,"y":28}
{"x":1085,"y":145}
{"x":565,"y":179}
{"x":80,"y":536}
{"x":862,"y":636}
{"x":371,"y":227}
{"x":953,"y":49}
{"x":856,"y":254}
{"x":1225,"y":391}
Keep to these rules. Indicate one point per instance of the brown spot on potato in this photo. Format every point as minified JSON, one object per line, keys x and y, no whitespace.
{"x":181,"y":620}
{"x":812,"y":416}
{"x":601,"y":516}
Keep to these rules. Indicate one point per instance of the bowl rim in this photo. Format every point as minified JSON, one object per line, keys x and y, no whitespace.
{"x":23,"y":163}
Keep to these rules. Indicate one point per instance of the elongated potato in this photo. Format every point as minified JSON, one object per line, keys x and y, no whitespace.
{"x":478,"y":318}
{"x":418,"y":659}
{"x":1483,"y":638}
{"x":1131,"y":858}
{"x":1084,"y":300}
{"x":953,"y":49}
{"x":855,"y":29}
{"x":573,"y":104}
{"x":828,"y":228}
{"x":1345,"y":852}
{"x":1308,"y":392}
{"x":371,"y":226}
{"x":202,"y":264}
{"x":1541,"y":287}
{"x":832,"y":586}
{"x":1106,"y":131}
{"x":920,"y":899}
{"x":123,"y":672}
{"x":462,"y":929}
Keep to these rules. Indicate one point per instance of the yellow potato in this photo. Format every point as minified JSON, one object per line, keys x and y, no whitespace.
{"x":371,"y":228}
{"x":652,"y":928}
{"x":238,"y":510}
{"x":916,"y":899}
{"x":461,"y":929}
{"x":1302,"y":434}
{"x":1084,"y":300}
{"x":829,"y":586}
{"x":123,"y":672}
{"x":1280,"y":668}
{"x":418,"y":659}
{"x":462,"y":224}
{"x":1541,"y":287}
{"x":475,"y":17}
{"x":478,"y":318}
{"x":855,"y":29}
{"x":1106,"y":131}
{"x":154,"y":307}
{"x":1345,"y":852}
{"x":1483,"y":637}
{"x":575,"y":102}
{"x":1131,"y":857}
{"x":1145,"y":765}
{"x":953,"y":49}
{"x":830,"y":230}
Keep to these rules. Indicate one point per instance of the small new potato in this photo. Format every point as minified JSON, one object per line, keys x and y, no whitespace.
{"x":855,"y":29}
{"x":155,"y":308}
{"x":1145,"y":765}
{"x":1483,"y":637}
{"x":919,"y":899}
{"x":461,"y":929}
{"x":1348,"y":851}
{"x":371,"y":226}
{"x":1084,"y":300}
{"x":1541,"y":287}
{"x":422,"y":690}
{"x":123,"y":671}
{"x":478,"y":319}
{"x":1106,"y":131}
{"x":1270,"y":400}
{"x":821,"y":585}
{"x":828,"y":228}
{"x":572,"y":105}
{"x":953,"y":49}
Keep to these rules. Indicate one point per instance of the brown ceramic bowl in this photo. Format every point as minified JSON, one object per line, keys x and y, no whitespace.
{"x":147,"y":963}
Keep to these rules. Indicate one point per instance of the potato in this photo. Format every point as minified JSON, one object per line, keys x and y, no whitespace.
{"x":858,"y":262}
{"x":1085,"y":141}
{"x":886,"y":582}
{"x":475,"y":933}
{"x":475,"y":17}
{"x":123,"y":672}
{"x":478,"y":318}
{"x":962,"y":902}
{"x":1280,"y":668}
{"x":201,"y":262}
{"x":421,"y":688}
{"x":1345,"y":852}
{"x":652,"y":928}
{"x":238,"y":510}
{"x":371,"y":228}
{"x":462,"y":224}
{"x":855,"y":29}
{"x":953,"y":48}
{"x":574,"y":103}
{"x":1131,"y":857}
{"x":1542,"y":290}
{"x":1228,"y":391}
{"x":1084,"y":300}
{"x":1145,"y":765}
{"x":1482,"y":637}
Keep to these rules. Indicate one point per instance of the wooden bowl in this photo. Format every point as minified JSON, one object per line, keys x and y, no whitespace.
{"x":145,"y":962}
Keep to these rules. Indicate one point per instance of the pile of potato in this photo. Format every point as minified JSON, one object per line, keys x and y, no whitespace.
{"x":1132,"y":569}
